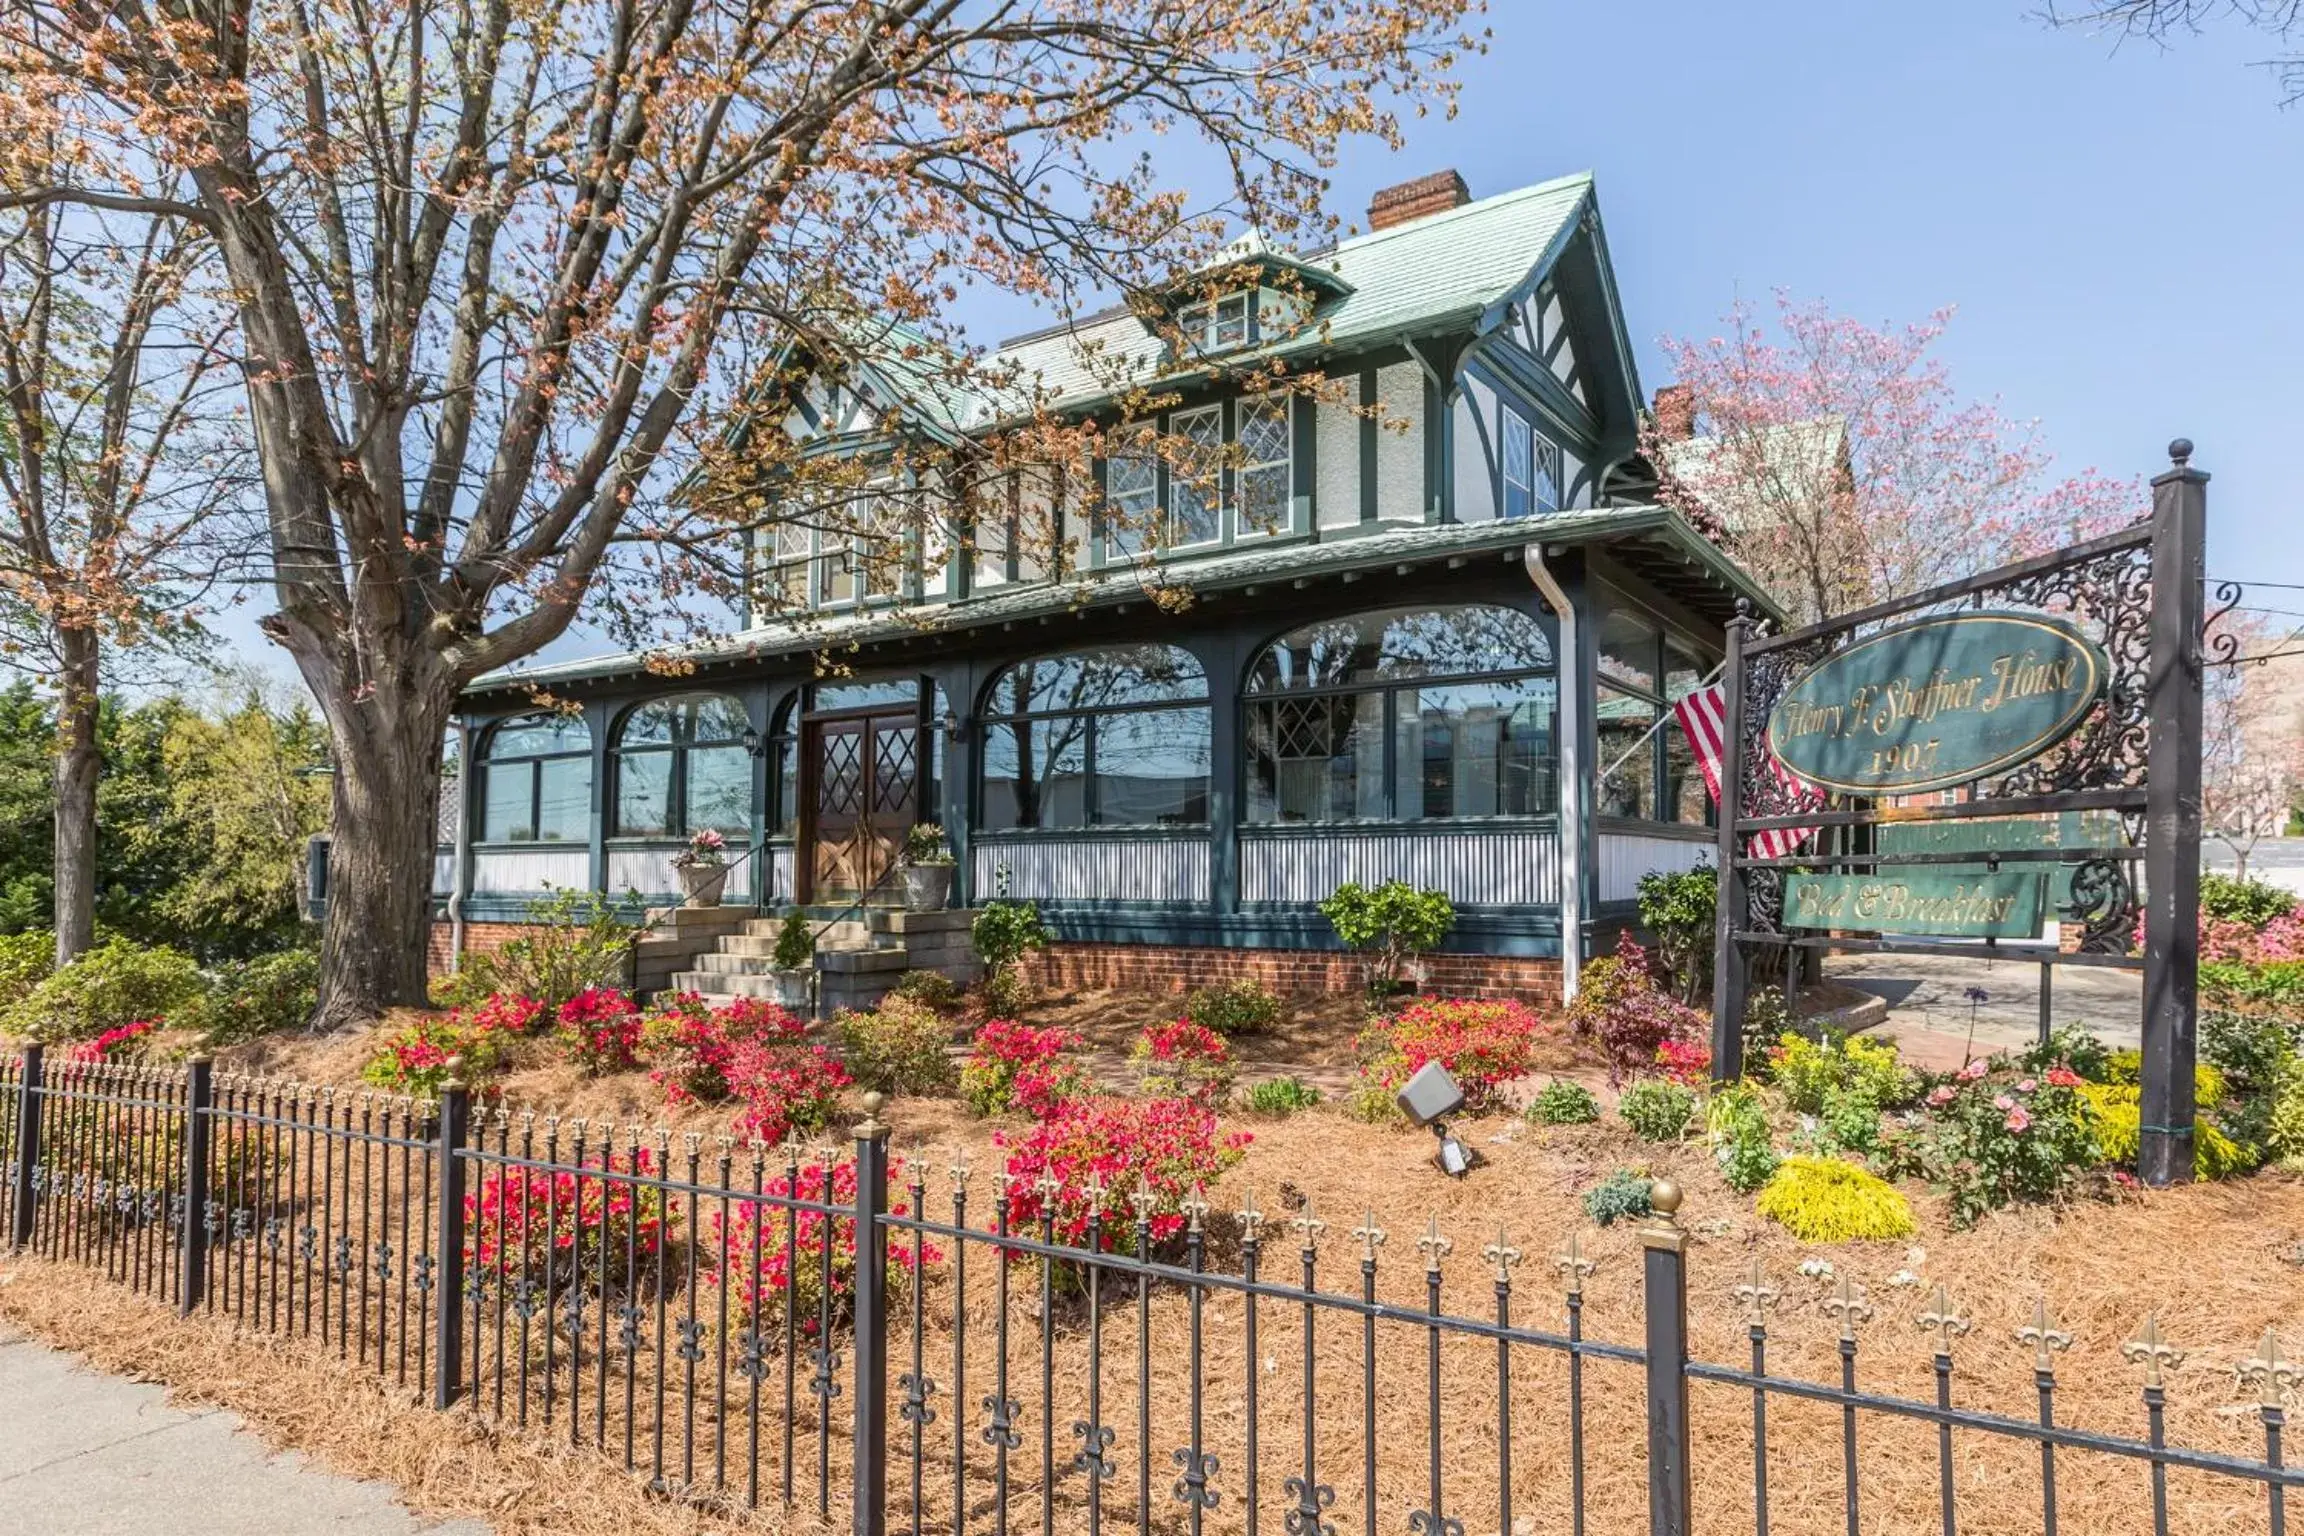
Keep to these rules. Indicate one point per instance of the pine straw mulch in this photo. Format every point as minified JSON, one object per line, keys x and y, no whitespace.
{"x":296,"y":1395}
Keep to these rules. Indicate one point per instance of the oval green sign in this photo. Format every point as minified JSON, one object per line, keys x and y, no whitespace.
{"x":1938,"y":702}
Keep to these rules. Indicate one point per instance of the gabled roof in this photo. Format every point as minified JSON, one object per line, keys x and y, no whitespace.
{"x":1458,"y":267}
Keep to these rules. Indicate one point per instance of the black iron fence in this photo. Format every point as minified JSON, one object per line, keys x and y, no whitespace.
{"x":726,"y":1320}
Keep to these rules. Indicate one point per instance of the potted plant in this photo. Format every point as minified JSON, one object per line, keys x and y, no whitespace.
{"x":927,"y":869}
{"x":794,"y":963}
{"x":703,"y":867}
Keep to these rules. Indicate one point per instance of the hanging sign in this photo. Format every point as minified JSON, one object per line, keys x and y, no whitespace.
{"x":1938,"y":702}
{"x":2007,"y":906}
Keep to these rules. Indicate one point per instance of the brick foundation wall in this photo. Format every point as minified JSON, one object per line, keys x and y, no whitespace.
{"x":1179,"y":968}
{"x":479,"y":939}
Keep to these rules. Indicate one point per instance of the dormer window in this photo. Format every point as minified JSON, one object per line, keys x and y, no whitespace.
{"x":1216,"y":327}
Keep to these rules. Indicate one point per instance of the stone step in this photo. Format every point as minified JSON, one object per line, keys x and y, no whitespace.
{"x":725,"y":984}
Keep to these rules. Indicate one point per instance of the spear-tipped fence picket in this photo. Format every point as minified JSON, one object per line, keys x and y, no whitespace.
{"x":723,"y":1318}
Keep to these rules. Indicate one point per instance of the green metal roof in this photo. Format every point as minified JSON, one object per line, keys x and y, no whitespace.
{"x":1408,"y":280}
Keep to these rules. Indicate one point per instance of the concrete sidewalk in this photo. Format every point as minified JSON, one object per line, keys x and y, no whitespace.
{"x":85,"y":1454}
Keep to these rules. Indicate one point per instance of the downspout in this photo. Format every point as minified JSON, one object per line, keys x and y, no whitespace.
{"x":1567,"y":733}
{"x":460,"y":880}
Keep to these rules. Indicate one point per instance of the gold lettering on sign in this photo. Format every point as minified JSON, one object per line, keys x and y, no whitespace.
{"x":2027,"y":676}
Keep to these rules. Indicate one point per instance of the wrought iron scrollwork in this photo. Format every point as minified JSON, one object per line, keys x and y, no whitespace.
{"x":1199,"y":1469}
{"x":1001,"y":1433}
{"x":2110,"y":597}
{"x":2103,"y":900}
{"x":1312,"y":1499}
{"x":1095,"y":1441}
{"x":917,"y":1391}
{"x":1425,"y":1523}
{"x":2223,"y":644}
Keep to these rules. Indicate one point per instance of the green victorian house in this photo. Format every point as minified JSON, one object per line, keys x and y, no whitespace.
{"x":1434,"y":617}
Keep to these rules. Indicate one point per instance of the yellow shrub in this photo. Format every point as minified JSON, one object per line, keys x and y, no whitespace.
{"x":2119,"y":1119}
{"x":1824,"y":1200}
{"x":2126,"y":1069}
{"x":2287,"y":1130}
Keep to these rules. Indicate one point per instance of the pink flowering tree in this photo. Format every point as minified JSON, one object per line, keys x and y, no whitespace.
{"x":1839,"y":465}
{"x":2252,"y":736}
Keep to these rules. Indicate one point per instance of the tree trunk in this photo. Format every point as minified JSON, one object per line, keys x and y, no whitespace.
{"x":79,"y":763}
{"x":386,"y":744}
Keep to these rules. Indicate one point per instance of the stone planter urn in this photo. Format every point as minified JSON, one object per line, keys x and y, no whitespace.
{"x":795,"y":990}
{"x":927,"y":887}
{"x":703,"y":883}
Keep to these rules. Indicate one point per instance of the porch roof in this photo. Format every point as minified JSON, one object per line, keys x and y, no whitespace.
{"x":1654,"y":542}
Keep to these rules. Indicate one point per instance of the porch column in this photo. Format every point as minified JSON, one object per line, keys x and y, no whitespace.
{"x":956,"y":808}
{"x":1576,"y":662}
{"x":596,"y":718}
{"x":1221,"y":656}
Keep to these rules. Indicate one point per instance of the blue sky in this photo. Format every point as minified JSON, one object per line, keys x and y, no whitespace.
{"x":2122,"y":230}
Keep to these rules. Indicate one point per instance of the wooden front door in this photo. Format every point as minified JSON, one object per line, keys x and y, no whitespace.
{"x":864,"y":798}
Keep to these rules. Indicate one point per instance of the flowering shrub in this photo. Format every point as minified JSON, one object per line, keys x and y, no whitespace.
{"x":1014,"y":1068}
{"x":903,"y":1046}
{"x":707,"y":849}
{"x":602,"y":1029}
{"x":510,"y":1013}
{"x":772,"y":1256}
{"x":1686,"y":1061}
{"x":1155,"y":1150}
{"x":116,"y":1042}
{"x":1182,"y":1059}
{"x":690,"y":1048}
{"x":520,"y":1219}
{"x":787,"y":1089}
{"x":1484,"y":1045}
{"x":1619,"y":1008}
{"x":2001,"y":1137}
{"x":415,"y":1060}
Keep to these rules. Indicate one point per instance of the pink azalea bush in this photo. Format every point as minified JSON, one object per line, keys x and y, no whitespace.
{"x":123,"y":1040}
{"x":1013,"y":1068}
{"x":1181,"y":1059}
{"x":1156,"y":1150}
{"x":520,"y":1219}
{"x":770,"y":1258}
{"x":787,"y":1089}
{"x":1483,"y":1045}
{"x":601,"y":1029}
{"x":691,"y":1049}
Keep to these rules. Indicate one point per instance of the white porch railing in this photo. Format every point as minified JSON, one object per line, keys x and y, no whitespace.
{"x":1626,"y":856}
{"x":525,"y":871}
{"x":1093,"y":867}
{"x":1496,"y":866}
{"x":648,"y":869}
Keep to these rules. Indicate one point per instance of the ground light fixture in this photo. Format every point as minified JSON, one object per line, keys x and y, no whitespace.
{"x":1428,"y":1096}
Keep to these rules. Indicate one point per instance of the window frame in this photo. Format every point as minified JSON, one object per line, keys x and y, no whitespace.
{"x":1218,"y":501}
{"x":991,"y":718}
{"x":678,"y":813}
{"x":1659,"y":696}
{"x":1542,"y":491}
{"x":533,"y":763}
{"x":1242,"y":527}
{"x":1251,"y":698}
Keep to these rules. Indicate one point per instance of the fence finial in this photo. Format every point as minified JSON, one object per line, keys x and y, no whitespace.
{"x":2268,"y":1373}
{"x":870,"y":1127}
{"x":2152,"y":1352}
{"x":2044,"y":1336}
{"x":1944,"y":1319}
{"x":1662,"y":1229}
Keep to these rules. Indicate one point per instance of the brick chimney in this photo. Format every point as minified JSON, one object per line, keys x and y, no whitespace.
{"x":1675,"y":412}
{"x":1421,"y":198}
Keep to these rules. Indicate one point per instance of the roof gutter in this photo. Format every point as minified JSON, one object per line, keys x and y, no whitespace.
{"x":1569,"y":735}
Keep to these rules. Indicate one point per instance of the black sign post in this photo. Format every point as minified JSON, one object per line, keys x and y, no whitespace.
{"x":2112,"y":689}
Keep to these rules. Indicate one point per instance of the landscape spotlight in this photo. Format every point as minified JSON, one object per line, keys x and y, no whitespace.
{"x":1427,"y":1097}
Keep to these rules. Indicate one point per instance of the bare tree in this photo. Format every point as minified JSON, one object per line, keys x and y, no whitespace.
{"x":119,"y":462}
{"x":2160,"y":21}
{"x":495,"y":263}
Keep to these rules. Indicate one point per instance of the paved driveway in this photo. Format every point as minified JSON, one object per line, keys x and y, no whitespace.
{"x":1931,"y":1016}
{"x":86,"y":1454}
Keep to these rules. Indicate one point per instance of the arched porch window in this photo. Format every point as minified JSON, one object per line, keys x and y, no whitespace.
{"x":681,"y":767}
{"x":1404,"y":714}
{"x":536,"y":781}
{"x":1112,"y":737}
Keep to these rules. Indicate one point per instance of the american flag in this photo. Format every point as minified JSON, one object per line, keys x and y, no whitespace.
{"x":1704,"y":716}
